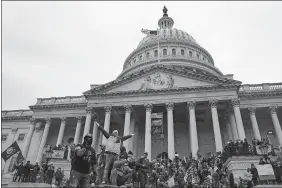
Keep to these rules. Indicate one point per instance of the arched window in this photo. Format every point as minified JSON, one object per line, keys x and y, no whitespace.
{"x":147,"y":54}
{"x":190,"y":53}
{"x":182,"y":52}
{"x":164,"y":52}
{"x":140,"y":57}
{"x":156,"y":53}
{"x":198,"y":56}
{"x":173,"y":51}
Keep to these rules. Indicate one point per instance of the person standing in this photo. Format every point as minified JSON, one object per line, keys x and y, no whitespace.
{"x":83,"y":164}
{"x":101,"y":164}
{"x":255,"y":174}
{"x":35,"y":171}
{"x":142,"y":168}
{"x":112,"y":150}
{"x":50,"y":173}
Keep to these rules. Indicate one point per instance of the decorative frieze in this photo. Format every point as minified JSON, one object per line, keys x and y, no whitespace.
{"x":63,"y":119}
{"x":108,"y":109}
{"x":252,"y":110}
{"x":213,"y":103}
{"x":148,"y":107}
{"x":128,"y":108}
{"x":79,"y":118}
{"x":39,"y":127}
{"x":235,"y":102}
{"x":169,"y":106}
{"x":272,"y":109}
{"x":48,"y":120}
{"x":191,"y":104}
{"x":88,"y":110}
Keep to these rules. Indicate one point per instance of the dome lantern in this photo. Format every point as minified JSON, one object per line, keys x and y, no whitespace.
{"x":165,"y":21}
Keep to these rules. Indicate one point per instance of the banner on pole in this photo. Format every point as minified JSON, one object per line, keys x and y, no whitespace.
{"x":156,"y":123}
{"x":10,"y":151}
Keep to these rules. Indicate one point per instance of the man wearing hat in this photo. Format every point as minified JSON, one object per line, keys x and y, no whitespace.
{"x":112,"y":149}
{"x":83,"y":164}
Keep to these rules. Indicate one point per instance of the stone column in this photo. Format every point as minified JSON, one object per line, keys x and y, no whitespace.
{"x":127,"y":125}
{"x":77,"y":130}
{"x":233,"y":124}
{"x":148,"y":138}
{"x":228,"y":127}
{"x":87,"y":122}
{"x":29,"y":137}
{"x":276,"y":124}
{"x":136,"y":142}
{"x":43,"y":141}
{"x":107,"y":123}
{"x":132,"y":131}
{"x":216,"y":128}
{"x":170,"y":131}
{"x":193,"y":129}
{"x":252,"y":112}
{"x":61,"y":132}
{"x":239,"y":122}
{"x":95,"y":134}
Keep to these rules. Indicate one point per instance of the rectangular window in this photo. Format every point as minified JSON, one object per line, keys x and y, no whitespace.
{"x":4,"y":137}
{"x":21,"y":137}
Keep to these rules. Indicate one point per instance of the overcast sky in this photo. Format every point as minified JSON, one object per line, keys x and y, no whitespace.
{"x":54,"y":49}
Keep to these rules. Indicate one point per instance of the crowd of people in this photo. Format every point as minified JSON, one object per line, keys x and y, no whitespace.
{"x":45,"y":173}
{"x":114,"y":165}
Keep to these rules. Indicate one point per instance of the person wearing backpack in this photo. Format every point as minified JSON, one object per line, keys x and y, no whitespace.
{"x":83,"y":164}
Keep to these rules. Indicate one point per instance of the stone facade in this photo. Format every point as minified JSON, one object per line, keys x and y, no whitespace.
{"x":202,"y":108}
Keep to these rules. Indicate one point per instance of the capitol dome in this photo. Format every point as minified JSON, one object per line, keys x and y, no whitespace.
{"x":169,"y":47}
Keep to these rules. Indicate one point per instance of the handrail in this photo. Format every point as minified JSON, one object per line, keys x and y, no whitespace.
{"x":260,"y":87}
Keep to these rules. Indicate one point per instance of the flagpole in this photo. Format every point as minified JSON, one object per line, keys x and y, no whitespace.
{"x":158,"y":45}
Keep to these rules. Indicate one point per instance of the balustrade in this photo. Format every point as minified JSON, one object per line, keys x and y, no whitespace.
{"x":260,"y":87}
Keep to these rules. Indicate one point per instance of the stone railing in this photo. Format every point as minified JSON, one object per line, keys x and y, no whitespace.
{"x":260,"y":87}
{"x":60,"y":100}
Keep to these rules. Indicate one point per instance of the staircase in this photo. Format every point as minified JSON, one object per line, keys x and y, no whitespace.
{"x":64,"y":164}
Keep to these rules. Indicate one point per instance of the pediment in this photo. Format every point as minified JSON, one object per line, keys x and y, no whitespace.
{"x":159,"y":80}
{"x":160,"y":77}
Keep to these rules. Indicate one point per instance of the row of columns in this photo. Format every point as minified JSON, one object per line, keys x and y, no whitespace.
{"x":235,"y":127}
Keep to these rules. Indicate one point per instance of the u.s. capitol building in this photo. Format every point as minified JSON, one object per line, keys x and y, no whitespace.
{"x":199,"y":108}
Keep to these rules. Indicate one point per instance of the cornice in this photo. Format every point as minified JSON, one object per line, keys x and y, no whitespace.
{"x":16,"y":118}
{"x":54,"y":106}
{"x":171,"y":69}
{"x":260,"y":94}
{"x":163,"y":91}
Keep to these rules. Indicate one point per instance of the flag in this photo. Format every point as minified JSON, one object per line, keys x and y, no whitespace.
{"x":10,"y":151}
{"x":20,"y":157}
{"x":149,"y":32}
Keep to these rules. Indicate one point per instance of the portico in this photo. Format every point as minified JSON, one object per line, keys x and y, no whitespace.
{"x":192,"y":116}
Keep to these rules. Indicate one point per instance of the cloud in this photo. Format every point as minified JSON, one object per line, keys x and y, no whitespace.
{"x":60,"y":48}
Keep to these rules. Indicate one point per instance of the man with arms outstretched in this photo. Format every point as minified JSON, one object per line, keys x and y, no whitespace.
{"x":112,"y":150}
